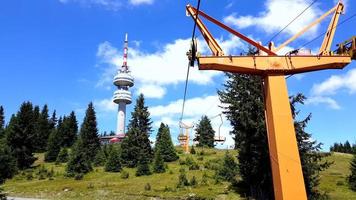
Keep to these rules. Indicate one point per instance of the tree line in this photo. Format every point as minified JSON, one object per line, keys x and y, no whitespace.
{"x":343,"y":147}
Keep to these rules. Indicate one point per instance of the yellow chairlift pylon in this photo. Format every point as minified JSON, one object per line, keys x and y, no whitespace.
{"x":285,"y":161}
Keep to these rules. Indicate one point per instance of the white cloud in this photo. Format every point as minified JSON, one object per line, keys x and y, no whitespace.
{"x":105,"y":105}
{"x":139,"y":2}
{"x":316,"y":100}
{"x":109,"y":4}
{"x":277,"y":14}
{"x":166,"y":66}
{"x":152,"y":91}
{"x":336,"y":83}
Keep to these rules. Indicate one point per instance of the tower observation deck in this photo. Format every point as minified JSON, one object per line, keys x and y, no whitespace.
{"x":122,"y":96}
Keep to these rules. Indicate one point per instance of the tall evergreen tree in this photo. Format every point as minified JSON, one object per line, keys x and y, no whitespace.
{"x":20,"y":135}
{"x":53,"y":120}
{"x":143,"y":168}
{"x":79,"y":160}
{"x":137,"y":137}
{"x":53,"y":146}
{"x":245,"y":111}
{"x":70,"y":130}
{"x":165,"y":145}
{"x":2,"y":122}
{"x":204,"y":133}
{"x":89,"y":132}
{"x":352,"y":178}
{"x":7,"y":163}
{"x":43,"y":130}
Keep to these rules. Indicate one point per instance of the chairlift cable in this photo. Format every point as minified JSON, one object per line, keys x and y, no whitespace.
{"x":187,"y":77}
{"x":279,"y":32}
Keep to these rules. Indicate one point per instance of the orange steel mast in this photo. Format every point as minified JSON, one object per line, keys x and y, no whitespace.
{"x":285,"y":161}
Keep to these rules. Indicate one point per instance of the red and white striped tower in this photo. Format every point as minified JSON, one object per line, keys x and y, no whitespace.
{"x":122,"y":96}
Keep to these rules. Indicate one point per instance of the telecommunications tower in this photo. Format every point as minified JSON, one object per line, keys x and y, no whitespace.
{"x":122,"y":96}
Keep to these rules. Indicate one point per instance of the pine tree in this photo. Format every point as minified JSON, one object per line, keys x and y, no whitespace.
{"x":8,"y":166}
{"x":43,"y":130}
{"x":143,"y":167}
{"x":89,"y":132}
{"x":245,"y":111}
{"x":53,"y":146}
{"x":352,"y":177}
{"x":63,"y":156}
{"x":113,"y":163}
{"x":165,"y":145}
{"x":70,"y":130}
{"x":158,"y":163}
{"x":20,"y":135}
{"x":229,"y":169}
{"x":348,"y":148}
{"x":2,"y":122}
{"x":53,"y":120}
{"x":204,"y":133}
{"x":79,"y":161}
{"x":137,"y":137}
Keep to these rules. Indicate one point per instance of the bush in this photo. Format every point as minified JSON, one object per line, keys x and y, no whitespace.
{"x":192,"y":150}
{"x":193,"y":181}
{"x":2,"y":195}
{"x":158,"y":164}
{"x":148,"y":187}
{"x":200,"y":158}
{"x":228,"y":170}
{"x":213,"y":164}
{"x":78,"y":176}
{"x":124,"y":174}
{"x":204,"y":179}
{"x":182,"y":179}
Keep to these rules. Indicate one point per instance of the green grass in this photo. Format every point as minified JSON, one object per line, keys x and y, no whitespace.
{"x":103,"y":185}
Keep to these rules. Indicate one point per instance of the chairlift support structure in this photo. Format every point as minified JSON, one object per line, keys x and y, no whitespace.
{"x":184,"y":138}
{"x":285,"y":161}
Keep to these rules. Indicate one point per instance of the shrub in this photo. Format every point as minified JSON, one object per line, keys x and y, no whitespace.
{"x":124,"y":174}
{"x":229,"y":169}
{"x":192,"y":150}
{"x":158,"y":164}
{"x":204,"y":179}
{"x":148,"y":187}
{"x":193,"y":181}
{"x":182,"y":179}
{"x":78,"y":176}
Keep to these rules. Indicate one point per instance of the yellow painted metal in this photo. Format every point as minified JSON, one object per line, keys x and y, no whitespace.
{"x":328,"y":38}
{"x":261,"y":65}
{"x":286,"y":167}
{"x":308,"y":27}
{"x":213,"y":45}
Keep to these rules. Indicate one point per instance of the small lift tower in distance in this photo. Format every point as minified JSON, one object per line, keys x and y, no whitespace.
{"x":285,"y":161}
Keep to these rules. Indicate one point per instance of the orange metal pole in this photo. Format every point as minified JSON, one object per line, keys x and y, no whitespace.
{"x":285,"y":161}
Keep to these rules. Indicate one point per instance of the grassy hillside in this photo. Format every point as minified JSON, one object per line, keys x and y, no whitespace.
{"x":102,"y":185}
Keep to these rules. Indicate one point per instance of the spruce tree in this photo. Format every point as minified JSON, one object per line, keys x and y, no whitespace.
{"x":53,"y":146}
{"x":8,"y":166}
{"x":158,"y":163}
{"x":2,"y":122}
{"x":204,"y":133}
{"x":43,"y":130}
{"x":79,"y":161}
{"x":20,"y":135}
{"x":352,"y":178}
{"x":89,"y":133}
{"x":113,"y":163}
{"x":70,"y":130}
{"x":244,"y":108}
{"x":53,"y":120}
{"x":137,"y":137}
{"x":165,"y":145}
{"x":229,"y":169}
{"x":100,"y":157}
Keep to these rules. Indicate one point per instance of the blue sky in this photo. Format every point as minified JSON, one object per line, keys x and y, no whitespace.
{"x":66,"y":52}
